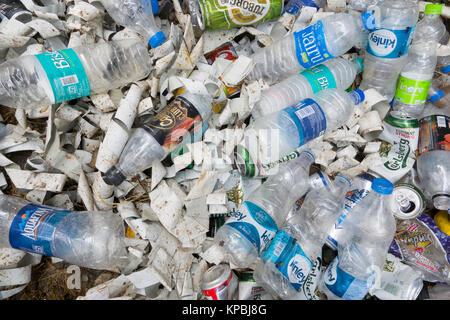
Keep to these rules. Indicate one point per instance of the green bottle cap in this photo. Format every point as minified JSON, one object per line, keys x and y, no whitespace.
{"x":434,"y":8}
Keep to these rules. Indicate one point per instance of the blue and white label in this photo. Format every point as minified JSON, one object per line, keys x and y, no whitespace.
{"x":254,"y":223}
{"x":289,"y":258}
{"x":386,"y":43}
{"x":344,"y":285}
{"x":310,"y":46}
{"x":309,"y":119}
{"x":33,"y":227}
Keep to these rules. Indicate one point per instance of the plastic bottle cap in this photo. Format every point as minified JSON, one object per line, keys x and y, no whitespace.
{"x":155,"y":6}
{"x":437,"y":96}
{"x":357,"y":96}
{"x":445,"y":69}
{"x":361,"y":64}
{"x":382,"y":186}
{"x":433,"y":8}
{"x":157,"y":39}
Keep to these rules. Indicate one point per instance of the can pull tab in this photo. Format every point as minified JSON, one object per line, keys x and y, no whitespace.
{"x":404,"y":204}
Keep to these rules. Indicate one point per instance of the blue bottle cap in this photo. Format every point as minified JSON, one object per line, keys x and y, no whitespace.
{"x":155,"y":6}
{"x":382,"y":186}
{"x":357,"y":96}
{"x":157,"y":39}
{"x":437,"y":96}
{"x":445,"y":69}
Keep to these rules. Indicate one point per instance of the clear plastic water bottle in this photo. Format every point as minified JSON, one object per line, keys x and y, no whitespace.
{"x":433,"y":165}
{"x":362,"y":5}
{"x":289,"y":258}
{"x":138,"y":16}
{"x":36,"y":81}
{"x":271,"y":137}
{"x":251,"y":228}
{"x":431,"y":27}
{"x":336,"y":73}
{"x":293,"y":6}
{"x":328,"y":38}
{"x":415,"y":79}
{"x":362,"y":252}
{"x":388,"y":45}
{"x":88,"y":239}
{"x":158,"y":137}
{"x":439,"y":95}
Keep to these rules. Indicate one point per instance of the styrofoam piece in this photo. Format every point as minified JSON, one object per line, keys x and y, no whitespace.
{"x":349,"y":151}
{"x":372,"y":147}
{"x":103,"y":102}
{"x":214,"y":254}
{"x":84,"y":11}
{"x":36,"y":196}
{"x":61,"y":200}
{"x":24,"y":179}
{"x":85,"y":192}
{"x":167,"y":205}
{"x":216,"y":198}
{"x":109,"y":289}
{"x":237,"y":71}
{"x":370,"y":125}
{"x":204,"y":185}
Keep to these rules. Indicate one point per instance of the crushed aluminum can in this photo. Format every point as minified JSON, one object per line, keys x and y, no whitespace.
{"x":407,"y":201}
{"x":219,"y":283}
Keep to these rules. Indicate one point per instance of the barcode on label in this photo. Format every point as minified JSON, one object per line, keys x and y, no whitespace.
{"x":304,"y":112}
{"x":69,"y":80}
{"x":441,"y":122}
{"x":279,"y":248}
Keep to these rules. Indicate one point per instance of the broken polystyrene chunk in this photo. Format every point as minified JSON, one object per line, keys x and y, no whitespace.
{"x":204,"y":185}
{"x":236,"y":72}
{"x":167,"y":205}
{"x":29,"y":180}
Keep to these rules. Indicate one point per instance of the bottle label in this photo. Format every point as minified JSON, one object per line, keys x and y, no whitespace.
{"x":434,"y":133}
{"x":254,"y":224}
{"x":309,"y":119}
{"x":33,"y":227}
{"x":175,"y":121}
{"x":343,"y":284}
{"x":289,"y":258}
{"x":66,"y":75}
{"x":412,"y":92}
{"x":310,"y":46}
{"x":226,"y":14}
{"x":293,"y":6}
{"x":319,"y":78}
{"x":386,"y":43}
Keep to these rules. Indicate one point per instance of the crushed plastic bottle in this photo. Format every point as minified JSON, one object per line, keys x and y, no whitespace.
{"x":369,"y":231}
{"x":251,"y":228}
{"x":158,"y":137}
{"x":336,"y":73}
{"x":431,"y":27}
{"x":330,"y":37}
{"x":293,"y":6}
{"x":138,"y":16}
{"x":289,"y":258}
{"x":34,"y":81}
{"x":88,"y":239}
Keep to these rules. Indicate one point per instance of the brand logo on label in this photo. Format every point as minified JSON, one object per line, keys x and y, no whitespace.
{"x":331,"y":273}
{"x":30,"y":221}
{"x":244,"y":12}
{"x":168,"y":118}
{"x":401,"y":155}
{"x":239,"y":215}
{"x":298,"y":269}
{"x":382,"y":42}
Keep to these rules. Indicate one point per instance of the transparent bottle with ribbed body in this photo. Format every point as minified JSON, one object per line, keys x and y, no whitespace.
{"x":431,"y":26}
{"x":336,"y":73}
{"x":287,"y":261}
{"x":160,"y":135}
{"x":138,"y":16}
{"x":31,"y":82}
{"x":247,"y":232}
{"x":271,"y":137}
{"x":362,"y":251}
{"x":388,"y":45}
{"x":84,"y":238}
{"x":415,"y":79}
{"x":330,"y":37}
{"x":438,"y":94}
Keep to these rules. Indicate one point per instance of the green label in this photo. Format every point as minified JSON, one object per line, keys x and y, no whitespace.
{"x":66,"y":74}
{"x":226,"y":14}
{"x":319,"y":77}
{"x":412,"y":92}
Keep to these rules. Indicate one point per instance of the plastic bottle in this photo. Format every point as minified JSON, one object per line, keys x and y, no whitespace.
{"x":289,"y":258}
{"x":388,"y":45}
{"x":362,"y":252}
{"x":336,"y":73}
{"x":293,"y":6}
{"x":270,"y":138}
{"x":88,"y":239}
{"x":138,"y":16}
{"x":362,"y":5}
{"x":160,"y":135}
{"x":431,"y":27}
{"x":226,"y":14}
{"x":433,"y":165}
{"x":330,"y":37}
{"x":251,"y":228}
{"x":439,"y":96}
{"x":415,"y":79}
{"x":39,"y":80}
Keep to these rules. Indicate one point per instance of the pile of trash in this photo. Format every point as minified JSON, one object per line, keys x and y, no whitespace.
{"x":227,"y":149}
